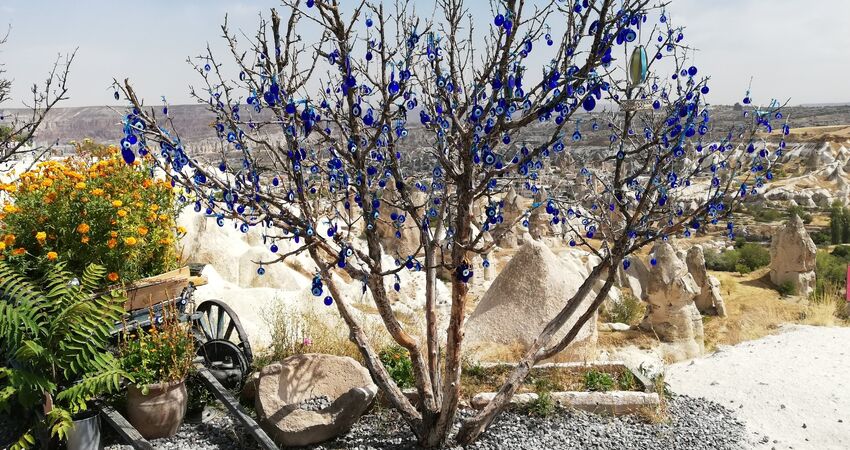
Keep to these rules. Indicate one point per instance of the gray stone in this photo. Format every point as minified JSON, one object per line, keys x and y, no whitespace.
{"x":285,"y":387}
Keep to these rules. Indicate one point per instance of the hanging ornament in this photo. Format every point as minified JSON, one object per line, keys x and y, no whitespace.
{"x":638,"y":66}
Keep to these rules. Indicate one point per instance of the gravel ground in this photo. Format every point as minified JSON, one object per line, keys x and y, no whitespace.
{"x":693,"y":424}
{"x":791,"y":389}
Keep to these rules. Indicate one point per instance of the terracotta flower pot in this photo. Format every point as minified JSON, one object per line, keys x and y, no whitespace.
{"x":159,"y":413}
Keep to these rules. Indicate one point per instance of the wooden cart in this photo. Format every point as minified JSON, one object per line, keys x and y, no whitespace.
{"x":224,"y":354}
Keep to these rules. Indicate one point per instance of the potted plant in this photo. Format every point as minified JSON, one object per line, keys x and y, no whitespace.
{"x":158,"y":359}
{"x":53,"y":343}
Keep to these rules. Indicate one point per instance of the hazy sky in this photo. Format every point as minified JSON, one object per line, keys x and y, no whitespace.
{"x":792,"y":48}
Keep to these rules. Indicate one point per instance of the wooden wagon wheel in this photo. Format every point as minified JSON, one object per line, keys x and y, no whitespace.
{"x":223,"y":343}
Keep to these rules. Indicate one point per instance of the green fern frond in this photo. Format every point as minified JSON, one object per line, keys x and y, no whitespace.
{"x":25,"y":442}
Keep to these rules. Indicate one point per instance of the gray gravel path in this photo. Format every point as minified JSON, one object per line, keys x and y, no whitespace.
{"x":694,"y":424}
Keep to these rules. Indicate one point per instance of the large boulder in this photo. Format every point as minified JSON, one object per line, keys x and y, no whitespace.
{"x":709,"y":300}
{"x":310,"y":398}
{"x":529,"y":291}
{"x":636,"y":277}
{"x":792,"y":257}
{"x":671,"y":313}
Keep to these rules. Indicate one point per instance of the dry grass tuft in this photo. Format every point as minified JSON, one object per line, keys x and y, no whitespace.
{"x":311,"y":331}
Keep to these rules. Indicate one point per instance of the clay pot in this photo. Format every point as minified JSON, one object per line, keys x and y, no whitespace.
{"x":159,"y":413}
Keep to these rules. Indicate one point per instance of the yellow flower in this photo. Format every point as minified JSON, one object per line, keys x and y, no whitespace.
{"x":97,"y":192}
{"x":181,"y":230}
{"x":143,"y":230}
{"x":113,"y":277}
{"x":122,"y":213}
{"x":117,"y":203}
{"x":80,"y":185}
{"x":2,"y":246}
{"x":113,"y":234}
{"x":10,"y":208}
{"x":41,"y":236}
{"x":130,"y":241}
{"x":83,"y":228}
{"x":52,"y":256}
{"x":154,"y":207}
{"x":47,"y":182}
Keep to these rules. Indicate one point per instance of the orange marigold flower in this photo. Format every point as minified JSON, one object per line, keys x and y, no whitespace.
{"x":84,"y":240}
{"x":83,"y":228}
{"x":111,"y":243}
{"x":122,"y":213}
{"x":97,"y":192}
{"x":130,"y":241}
{"x":52,"y":256}
{"x":113,"y":234}
{"x":146,"y":183}
{"x":113,"y":277}
{"x":47,"y":182}
{"x":143,"y":230}
{"x":19,"y":251}
{"x":9,"y":240}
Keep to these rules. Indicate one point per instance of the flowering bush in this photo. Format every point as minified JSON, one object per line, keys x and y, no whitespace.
{"x":91,"y":208}
{"x":164,"y":353}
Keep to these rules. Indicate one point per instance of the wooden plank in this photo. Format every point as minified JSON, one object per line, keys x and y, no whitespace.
{"x":235,"y":408}
{"x":124,"y":429}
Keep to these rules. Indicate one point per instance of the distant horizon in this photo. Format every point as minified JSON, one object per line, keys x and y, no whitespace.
{"x":787,"y":50}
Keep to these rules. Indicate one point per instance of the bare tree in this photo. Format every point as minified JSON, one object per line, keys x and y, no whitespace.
{"x":18,"y":129}
{"x":317,"y":169}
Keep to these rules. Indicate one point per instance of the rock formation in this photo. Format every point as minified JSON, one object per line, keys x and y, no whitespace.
{"x":310,"y":398}
{"x":539,"y":223}
{"x":635,"y":277}
{"x":506,"y":234}
{"x":792,"y":257}
{"x":400,"y":239}
{"x":671,"y":313}
{"x":708,"y":301}
{"x":531,"y":289}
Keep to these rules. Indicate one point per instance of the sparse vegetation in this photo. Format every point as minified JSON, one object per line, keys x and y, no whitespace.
{"x":543,"y":405}
{"x":787,"y":288}
{"x":628,"y":310}
{"x":397,"y":361}
{"x":595,"y":380}
{"x":294,"y":333}
{"x":744,"y":259}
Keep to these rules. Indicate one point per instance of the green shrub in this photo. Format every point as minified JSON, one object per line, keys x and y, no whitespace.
{"x":544,"y":404}
{"x":821,"y":238}
{"x":754,"y":256}
{"x":787,"y":288}
{"x":841,"y":251}
{"x":595,"y":380}
{"x":397,"y":361}
{"x":626,"y":381}
{"x":801,"y":213}
{"x":628,"y":310}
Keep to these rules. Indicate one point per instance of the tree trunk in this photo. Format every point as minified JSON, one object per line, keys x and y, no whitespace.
{"x":472,"y":428}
